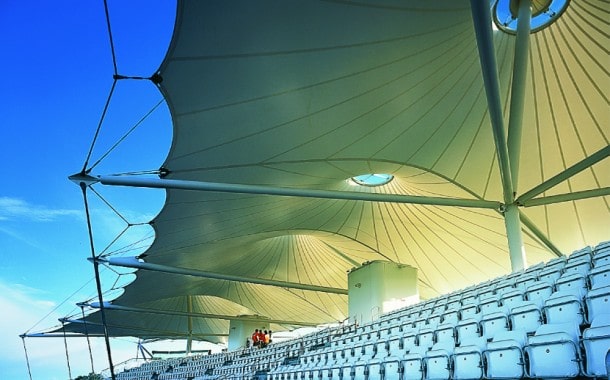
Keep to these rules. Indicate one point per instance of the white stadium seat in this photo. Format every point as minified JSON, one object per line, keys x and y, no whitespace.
{"x":585,"y":252}
{"x":437,"y":361}
{"x":493,"y":320}
{"x":601,"y":258}
{"x":598,"y":302}
{"x":581,"y":265}
{"x":468,"y":328}
{"x":413,"y":363}
{"x":468,"y":359}
{"x":563,"y":307}
{"x":599,"y":276}
{"x":575,"y":283}
{"x":445,"y":332}
{"x":554,"y":351}
{"x":374,"y":370}
{"x":425,"y":338}
{"x":512,"y":298}
{"x":395,"y":346}
{"x":504,"y":355}
{"x":392,"y":369}
{"x":527,"y":316}
{"x":596,"y":341}
{"x":551,"y":274}
{"x":539,"y":290}
{"x":524,"y":281}
{"x":451,"y":315}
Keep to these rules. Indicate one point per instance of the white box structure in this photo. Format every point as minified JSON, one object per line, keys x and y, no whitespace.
{"x":378,"y":287}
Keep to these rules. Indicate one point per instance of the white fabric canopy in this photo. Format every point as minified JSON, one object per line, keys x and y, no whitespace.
{"x":306,"y":95}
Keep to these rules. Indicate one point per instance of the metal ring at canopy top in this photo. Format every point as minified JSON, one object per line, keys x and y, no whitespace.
{"x":544,"y":13}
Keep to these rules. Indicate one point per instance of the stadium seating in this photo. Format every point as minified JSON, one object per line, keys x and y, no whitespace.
{"x":549,"y":321}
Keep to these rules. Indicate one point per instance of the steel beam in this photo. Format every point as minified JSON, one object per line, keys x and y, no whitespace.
{"x":153,"y":332}
{"x":539,"y":234}
{"x":569,"y":172}
{"x":292,"y":192}
{"x":58,"y":335}
{"x":132,"y":262}
{"x":191,"y":314}
{"x":574,"y":196}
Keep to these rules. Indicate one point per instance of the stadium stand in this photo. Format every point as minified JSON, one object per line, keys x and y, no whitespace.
{"x":548,"y":321}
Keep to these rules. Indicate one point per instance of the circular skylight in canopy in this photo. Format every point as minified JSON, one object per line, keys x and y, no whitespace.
{"x":544,"y":13}
{"x":376,"y":179}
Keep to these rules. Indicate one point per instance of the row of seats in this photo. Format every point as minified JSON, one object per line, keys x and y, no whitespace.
{"x":553,"y":351}
{"x":550,"y":320}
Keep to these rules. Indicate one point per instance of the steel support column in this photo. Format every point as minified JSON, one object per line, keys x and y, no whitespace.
{"x":515,"y":240}
{"x":481,"y":16}
{"x":517,"y":94}
{"x":189,"y":309}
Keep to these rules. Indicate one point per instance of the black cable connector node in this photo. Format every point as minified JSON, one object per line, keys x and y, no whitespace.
{"x":156,"y":78}
{"x":163,"y":172}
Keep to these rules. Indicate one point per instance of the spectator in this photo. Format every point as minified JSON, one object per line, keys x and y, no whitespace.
{"x":255,"y":338}
{"x":261,"y":338}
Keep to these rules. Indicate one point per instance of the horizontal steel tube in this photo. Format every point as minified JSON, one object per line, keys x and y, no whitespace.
{"x":293,"y":192}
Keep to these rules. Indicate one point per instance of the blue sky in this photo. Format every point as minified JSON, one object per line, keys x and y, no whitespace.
{"x":57,"y":72}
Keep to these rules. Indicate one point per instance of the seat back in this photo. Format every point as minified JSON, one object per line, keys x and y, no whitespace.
{"x":512,"y":298}
{"x":437,"y":361}
{"x":468,"y":359}
{"x":572,"y":282}
{"x":392,"y":369}
{"x":373,"y":370}
{"x":601,"y":258}
{"x":599,"y":276}
{"x":467,"y":329}
{"x":468,"y":310}
{"x":494,"y":320}
{"x":526,"y":317}
{"x":412,"y":363}
{"x":563,"y":307}
{"x":425,"y":337}
{"x":540,"y":290}
{"x":445,"y":332}
{"x":551,"y":274}
{"x":488,"y":302}
{"x":598,"y":302}
{"x":580,"y":265}
{"x":524,"y":281}
{"x":395,"y":346}
{"x":451,"y":316}
{"x":504,"y":355}
{"x":409,"y":339}
{"x":554,"y":351}
{"x":596,"y":342}
{"x":347,"y":373}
